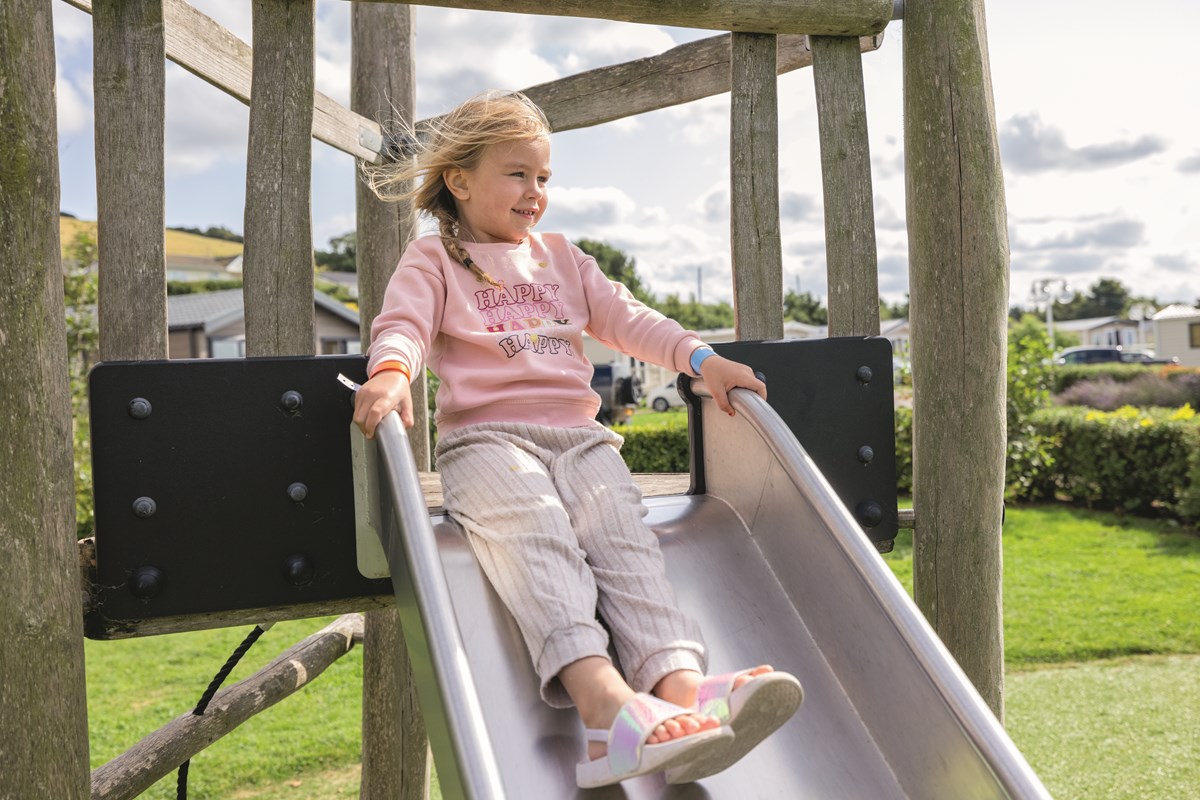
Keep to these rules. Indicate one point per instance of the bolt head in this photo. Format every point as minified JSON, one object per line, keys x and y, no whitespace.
{"x":140,"y":408}
{"x":147,"y":582}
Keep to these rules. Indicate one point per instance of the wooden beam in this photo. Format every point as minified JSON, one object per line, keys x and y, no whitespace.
{"x":157,"y":755}
{"x":210,"y":52}
{"x":278,"y":264}
{"x":130,"y":89}
{"x":851,"y":258}
{"x":680,"y":75}
{"x":841,"y":18}
{"x":958,"y":267}
{"x":754,"y":189}
{"x":43,"y":702}
{"x":396,"y":760}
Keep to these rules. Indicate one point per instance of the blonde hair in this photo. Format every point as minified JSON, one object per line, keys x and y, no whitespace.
{"x":456,"y":140}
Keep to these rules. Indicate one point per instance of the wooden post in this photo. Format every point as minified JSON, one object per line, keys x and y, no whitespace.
{"x":958,"y":262}
{"x":851,"y":260}
{"x":396,"y":758}
{"x":130,"y":85}
{"x":278,"y":262}
{"x":754,"y":188}
{"x":43,"y":701}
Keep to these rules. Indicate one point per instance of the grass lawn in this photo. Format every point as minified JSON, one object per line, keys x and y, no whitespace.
{"x":1080,"y":589}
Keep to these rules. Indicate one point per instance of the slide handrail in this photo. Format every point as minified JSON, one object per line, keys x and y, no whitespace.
{"x":977,"y":720}
{"x":416,"y":555}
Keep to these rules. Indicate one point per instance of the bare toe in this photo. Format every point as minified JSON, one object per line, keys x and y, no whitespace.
{"x":750,"y":675}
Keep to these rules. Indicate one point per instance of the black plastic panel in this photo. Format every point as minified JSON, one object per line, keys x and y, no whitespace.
{"x":836,"y":396}
{"x":223,"y":485}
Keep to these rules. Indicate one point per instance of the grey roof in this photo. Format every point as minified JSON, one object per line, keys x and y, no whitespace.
{"x":209,"y":309}
{"x":1177,"y":311}
{"x":1081,"y":325}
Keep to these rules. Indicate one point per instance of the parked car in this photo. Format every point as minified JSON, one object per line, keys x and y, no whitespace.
{"x":664,"y":397}
{"x":1099,"y":354}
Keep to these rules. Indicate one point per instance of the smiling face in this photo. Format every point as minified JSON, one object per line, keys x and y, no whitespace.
{"x":505,"y":196}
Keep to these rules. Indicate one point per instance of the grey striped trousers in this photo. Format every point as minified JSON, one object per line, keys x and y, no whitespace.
{"x":555,"y":520}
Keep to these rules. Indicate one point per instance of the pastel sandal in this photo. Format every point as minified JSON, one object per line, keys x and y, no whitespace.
{"x":754,"y":711}
{"x":630,"y":756}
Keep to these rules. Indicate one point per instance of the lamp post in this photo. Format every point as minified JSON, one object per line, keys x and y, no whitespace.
{"x":1140,"y":312}
{"x":1050,"y":291}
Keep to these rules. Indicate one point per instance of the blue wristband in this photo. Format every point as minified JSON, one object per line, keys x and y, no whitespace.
{"x":698,"y":356}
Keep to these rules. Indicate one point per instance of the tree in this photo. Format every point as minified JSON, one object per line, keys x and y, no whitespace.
{"x":1106,"y":297}
{"x":896,"y":311}
{"x":342,"y":254}
{"x":618,"y":267}
{"x":804,"y":307}
{"x":212,"y":232}
{"x":697,"y":316}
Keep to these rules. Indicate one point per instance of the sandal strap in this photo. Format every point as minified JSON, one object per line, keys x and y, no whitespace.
{"x":712,"y":696}
{"x":636,"y":720}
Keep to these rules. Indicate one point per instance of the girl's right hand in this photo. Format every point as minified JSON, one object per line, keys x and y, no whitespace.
{"x":387,"y":391}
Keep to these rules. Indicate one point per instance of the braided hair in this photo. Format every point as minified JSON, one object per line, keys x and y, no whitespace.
{"x":456,"y":140}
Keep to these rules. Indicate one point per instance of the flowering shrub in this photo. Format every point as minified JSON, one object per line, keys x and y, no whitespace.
{"x":1147,"y":389}
{"x":1143,"y":460}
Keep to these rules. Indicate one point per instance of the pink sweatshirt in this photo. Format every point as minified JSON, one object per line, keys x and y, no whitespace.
{"x":515,"y":354}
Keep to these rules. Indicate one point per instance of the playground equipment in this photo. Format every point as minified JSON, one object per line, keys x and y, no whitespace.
{"x":958,"y":268}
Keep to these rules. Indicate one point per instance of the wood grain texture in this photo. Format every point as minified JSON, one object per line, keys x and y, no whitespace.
{"x":396,"y":759}
{"x":43,"y":704}
{"x":851,"y":258}
{"x":841,"y":18}
{"x":958,"y":264}
{"x":277,"y":265}
{"x":130,"y":88}
{"x":209,"y":51}
{"x":754,"y":189}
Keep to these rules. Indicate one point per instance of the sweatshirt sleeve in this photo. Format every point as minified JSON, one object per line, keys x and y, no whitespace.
{"x":413,"y":305}
{"x":622,"y":322}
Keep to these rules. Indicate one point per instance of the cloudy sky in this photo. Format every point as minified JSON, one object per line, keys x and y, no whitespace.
{"x":1098,"y":114}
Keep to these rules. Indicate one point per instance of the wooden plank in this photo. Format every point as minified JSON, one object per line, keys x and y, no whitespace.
{"x":396,"y":759}
{"x":688,"y":72}
{"x":842,"y":18}
{"x":160,"y":753}
{"x":210,"y":52}
{"x":43,"y":703}
{"x":277,"y":264}
{"x":754,"y":189}
{"x":851,"y":259}
{"x":680,"y":75}
{"x":130,"y":88}
{"x":958,"y":266}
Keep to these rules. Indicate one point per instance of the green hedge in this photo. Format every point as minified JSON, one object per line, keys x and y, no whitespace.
{"x":657,"y":448}
{"x":1145,"y":461}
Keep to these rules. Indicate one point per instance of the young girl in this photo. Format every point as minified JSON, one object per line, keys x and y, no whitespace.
{"x":548,"y":505}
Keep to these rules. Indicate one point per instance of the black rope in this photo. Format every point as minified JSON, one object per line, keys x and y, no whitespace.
{"x":206,"y":698}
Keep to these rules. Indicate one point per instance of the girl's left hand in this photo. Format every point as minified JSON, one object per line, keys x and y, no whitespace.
{"x":720,"y":375}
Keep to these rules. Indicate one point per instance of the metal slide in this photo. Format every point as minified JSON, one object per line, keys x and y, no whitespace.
{"x":776,"y":571}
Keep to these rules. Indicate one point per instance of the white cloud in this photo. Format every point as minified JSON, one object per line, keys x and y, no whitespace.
{"x":594,"y":207}
{"x":72,"y":29}
{"x":74,"y":106}
{"x":204,"y":126}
